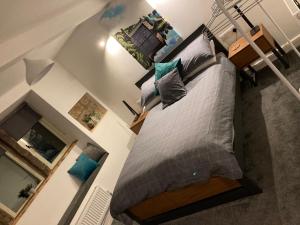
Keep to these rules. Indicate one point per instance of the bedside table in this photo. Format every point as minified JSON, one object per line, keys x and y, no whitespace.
{"x":242,"y":54}
{"x":137,"y":125}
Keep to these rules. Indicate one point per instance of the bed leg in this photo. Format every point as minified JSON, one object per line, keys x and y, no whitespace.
{"x":250,"y":186}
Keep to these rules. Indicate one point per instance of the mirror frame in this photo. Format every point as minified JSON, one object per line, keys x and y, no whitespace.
{"x":9,"y":213}
{"x":58,"y":134}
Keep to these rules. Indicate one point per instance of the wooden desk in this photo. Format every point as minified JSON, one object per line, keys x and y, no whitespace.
{"x":137,"y":125}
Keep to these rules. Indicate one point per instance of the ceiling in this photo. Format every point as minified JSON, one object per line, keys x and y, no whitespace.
{"x":17,"y":16}
{"x":15,"y":74}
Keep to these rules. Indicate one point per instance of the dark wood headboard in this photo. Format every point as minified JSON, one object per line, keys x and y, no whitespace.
{"x":219,"y":48}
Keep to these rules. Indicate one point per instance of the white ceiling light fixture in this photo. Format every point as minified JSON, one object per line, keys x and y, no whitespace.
{"x":36,"y":69}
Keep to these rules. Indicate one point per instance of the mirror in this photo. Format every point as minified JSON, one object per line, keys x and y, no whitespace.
{"x":41,"y":140}
{"x":17,"y":180}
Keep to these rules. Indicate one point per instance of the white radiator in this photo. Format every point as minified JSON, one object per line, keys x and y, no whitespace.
{"x":96,"y":209}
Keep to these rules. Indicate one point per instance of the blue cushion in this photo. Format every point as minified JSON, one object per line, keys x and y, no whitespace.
{"x":161,"y":69}
{"x":83,"y":167}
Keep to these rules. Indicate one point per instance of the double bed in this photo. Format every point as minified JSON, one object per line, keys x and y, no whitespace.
{"x":188,"y":156}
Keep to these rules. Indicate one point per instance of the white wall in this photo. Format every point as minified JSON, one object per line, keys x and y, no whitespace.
{"x":53,"y":97}
{"x":111,"y":77}
{"x":61,"y":90}
{"x":12,"y":98}
{"x":108,"y":73}
{"x":14,"y":74}
{"x":51,"y":203}
{"x":11,"y":77}
{"x":187,"y":17}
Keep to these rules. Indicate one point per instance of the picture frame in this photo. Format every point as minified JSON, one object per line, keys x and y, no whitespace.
{"x":88,"y":112}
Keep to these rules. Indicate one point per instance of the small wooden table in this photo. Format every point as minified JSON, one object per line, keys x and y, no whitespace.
{"x":137,"y":124}
{"x":242,"y":54}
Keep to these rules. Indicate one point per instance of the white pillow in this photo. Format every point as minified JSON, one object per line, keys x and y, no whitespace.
{"x":194,"y":55}
{"x":152,"y":103}
{"x":209,"y":62}
{"x":200,"y":45}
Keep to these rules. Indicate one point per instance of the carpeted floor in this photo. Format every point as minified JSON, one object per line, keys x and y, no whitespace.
{"x":271,"y":117}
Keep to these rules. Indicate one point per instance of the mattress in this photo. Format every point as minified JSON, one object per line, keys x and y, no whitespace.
{"x":188,"y":142}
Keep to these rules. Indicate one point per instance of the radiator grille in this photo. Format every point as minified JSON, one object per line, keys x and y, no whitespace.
{"x":96,"y":208}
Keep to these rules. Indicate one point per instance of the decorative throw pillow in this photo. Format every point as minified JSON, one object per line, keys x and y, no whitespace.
{"x":93,"y":152}
{"x":83,"y":167}
{"x":148,"y":97}
{"x":148,"y":91}
{"x":171,"y":88}
{"x":196,"y":55}
{"x":161,"y":69}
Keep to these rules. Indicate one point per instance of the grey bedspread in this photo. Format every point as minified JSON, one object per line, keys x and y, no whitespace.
{"x":189,"y":141}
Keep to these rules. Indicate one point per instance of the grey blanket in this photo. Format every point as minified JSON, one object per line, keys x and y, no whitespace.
{"x":188,"y":142}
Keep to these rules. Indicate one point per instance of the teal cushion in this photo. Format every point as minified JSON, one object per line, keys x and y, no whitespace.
{"x":83,"y":167}
{"x":161,"y":69}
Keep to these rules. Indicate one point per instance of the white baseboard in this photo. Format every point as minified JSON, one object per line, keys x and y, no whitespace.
{"x":259,"y":64}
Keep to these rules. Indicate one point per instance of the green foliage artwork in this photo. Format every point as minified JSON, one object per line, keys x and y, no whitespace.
{"x":153,"y":42}
{"x":126,"y":42}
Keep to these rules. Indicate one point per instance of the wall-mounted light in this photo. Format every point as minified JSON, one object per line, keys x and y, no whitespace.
{"x":102,"y":43}
{"x":112,"y":46}
{"x":36,"y":69}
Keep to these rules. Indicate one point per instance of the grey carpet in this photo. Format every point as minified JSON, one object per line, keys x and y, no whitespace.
{"x":271,"y":116}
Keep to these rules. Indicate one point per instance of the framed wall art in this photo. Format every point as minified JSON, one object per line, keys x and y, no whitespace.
{"x":149,"y":39}
{"x":88,"y":112}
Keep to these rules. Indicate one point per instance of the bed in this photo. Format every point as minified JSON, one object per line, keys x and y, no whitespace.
{"x":188,"y":156}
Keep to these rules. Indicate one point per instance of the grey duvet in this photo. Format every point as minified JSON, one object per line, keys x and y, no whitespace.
{"x":187,"y":142}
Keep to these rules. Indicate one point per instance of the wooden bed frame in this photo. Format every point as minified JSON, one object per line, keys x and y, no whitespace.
{"x":174,"y":204}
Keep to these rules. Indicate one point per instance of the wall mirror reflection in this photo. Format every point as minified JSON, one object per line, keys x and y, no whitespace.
{"x":40,"y":142}
{"x":18,"y":182}
{"x":43,"y":141}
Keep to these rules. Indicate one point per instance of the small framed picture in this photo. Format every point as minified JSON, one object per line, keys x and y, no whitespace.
{"x":88,"y":112}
